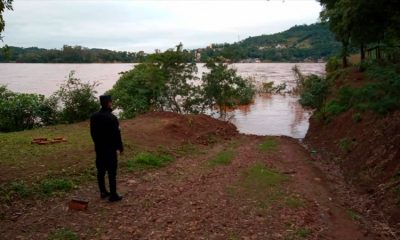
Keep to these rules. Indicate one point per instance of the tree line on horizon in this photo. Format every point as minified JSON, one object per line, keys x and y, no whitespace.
{"x":300,"y":43}
{"x":68,"y":54}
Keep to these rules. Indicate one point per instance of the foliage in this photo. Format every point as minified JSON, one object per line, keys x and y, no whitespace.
{"x":77,"y":99}
{"x":299,"y":43}
{"x":332,"y":65}
{"x":167,"y":82}
{"x":4,"y":4}
{"x":69,"y":54}
{"x":313,"y":89}
{"x":19,"y":111}
{"x":20,"y":189}
{"x":224,"y":88}
{"x":362,"y":22}
{"x":50,"y":186}
{"x":164,"y":81}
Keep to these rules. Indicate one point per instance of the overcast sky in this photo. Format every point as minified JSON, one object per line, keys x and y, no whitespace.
{"x":147,"y":25}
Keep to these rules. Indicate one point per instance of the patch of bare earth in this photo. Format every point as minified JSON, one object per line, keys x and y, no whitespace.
{"x":191,"y":199}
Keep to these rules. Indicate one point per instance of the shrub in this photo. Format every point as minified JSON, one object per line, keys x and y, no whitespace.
{"x":224,"y":88}
{"x":332,"y":65}
{"x":77,"y":99}
{"x":161,"y":82}
{"x":314,"y":91}
{"x":19,"y":111}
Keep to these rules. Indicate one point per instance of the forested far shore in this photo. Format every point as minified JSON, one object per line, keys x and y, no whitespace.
{"x":303,"y":43}
{"x":68,"y":54}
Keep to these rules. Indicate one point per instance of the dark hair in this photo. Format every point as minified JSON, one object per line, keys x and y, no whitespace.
{"x":104,"y":100}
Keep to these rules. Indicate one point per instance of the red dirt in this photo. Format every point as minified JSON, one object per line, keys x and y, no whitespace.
{"x":191,"y":200}
{"x":373,"y":160}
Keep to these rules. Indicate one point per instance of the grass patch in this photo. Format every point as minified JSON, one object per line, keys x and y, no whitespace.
{"x":187,"y":150}
{"x":345,"y":145}
{"x":50,"y":186}
{"x":353,"y":215}
{"x":20,"y":189}
{"x":261,"y":186}
{"x":294,"y":202}
{"x":302,"y":232}
{"x":63,"y":234}
{"x":222,"y":158}
{"x":268,"y":145}
{"x":145,"y":160}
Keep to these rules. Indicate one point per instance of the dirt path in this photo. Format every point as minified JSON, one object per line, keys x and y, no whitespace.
{"x":268,"y":189}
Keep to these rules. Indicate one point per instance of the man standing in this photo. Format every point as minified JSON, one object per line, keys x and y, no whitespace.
{"x":106,"y":135}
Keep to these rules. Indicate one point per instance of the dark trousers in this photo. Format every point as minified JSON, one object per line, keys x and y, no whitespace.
{"x":106,"y":161}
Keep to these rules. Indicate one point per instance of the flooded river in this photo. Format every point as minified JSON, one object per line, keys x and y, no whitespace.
{"x":269,"y":114}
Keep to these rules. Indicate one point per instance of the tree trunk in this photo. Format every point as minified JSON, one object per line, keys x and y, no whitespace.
{"x":345,"y":44}
{"x":362,"y":49}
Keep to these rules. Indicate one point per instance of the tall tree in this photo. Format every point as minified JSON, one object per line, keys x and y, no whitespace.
{"x":4,"y":4}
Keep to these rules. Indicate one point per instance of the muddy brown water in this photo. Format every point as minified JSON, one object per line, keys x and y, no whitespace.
{"x":272,"y":114}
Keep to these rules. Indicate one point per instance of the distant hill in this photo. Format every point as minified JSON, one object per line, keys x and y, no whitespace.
{"x":300,"y":43}
{"x":68,"y":54}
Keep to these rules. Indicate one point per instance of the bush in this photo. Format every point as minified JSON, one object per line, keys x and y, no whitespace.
{"x":19,"y":111}
{"x":166,"y":82}
{"x":77,"y":99}
{"x":314,"y":91}
{"x":224,"y":88}
{"x":332,"y":65}
{"x":161,"y":82}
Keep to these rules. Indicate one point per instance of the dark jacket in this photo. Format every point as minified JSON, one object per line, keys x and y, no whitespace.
{"x":104,"y":128}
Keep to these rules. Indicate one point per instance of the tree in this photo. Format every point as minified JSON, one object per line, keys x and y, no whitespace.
{"x":76,"y":99}
{"x":224,"y":88}
{"x":4,"y":4}
{"x":362,"y":22}
{"x":164,"y":81}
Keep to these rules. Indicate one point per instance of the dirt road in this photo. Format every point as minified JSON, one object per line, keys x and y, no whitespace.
{"x":243,"y":187}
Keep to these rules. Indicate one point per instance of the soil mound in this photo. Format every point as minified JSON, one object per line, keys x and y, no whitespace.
{"x":167,"y":128}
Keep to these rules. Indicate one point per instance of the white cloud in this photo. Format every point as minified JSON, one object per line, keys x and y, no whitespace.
{"x":147,"y":25}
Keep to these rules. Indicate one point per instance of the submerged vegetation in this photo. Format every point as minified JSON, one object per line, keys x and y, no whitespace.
{"x":167,"y":82}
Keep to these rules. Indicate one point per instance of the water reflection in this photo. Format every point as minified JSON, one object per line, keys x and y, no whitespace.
{"x":274,"y":114}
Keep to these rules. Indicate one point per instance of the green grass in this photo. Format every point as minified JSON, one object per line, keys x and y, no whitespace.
{"x":268,"y":145}
{"x":261,"y":185}
{"x":302,"y":233}
{"x":144,"y":160}
{"x":16,"y":147}
{"x":353,"y":215}
{"x":345,"y":145}
{"x":63,"y":234}
{"x":20,"y":189}
{"x":50,"y":186}
{"x":294,"y":202}
{"x":261,"y":177}
{"x":222,"y":158}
